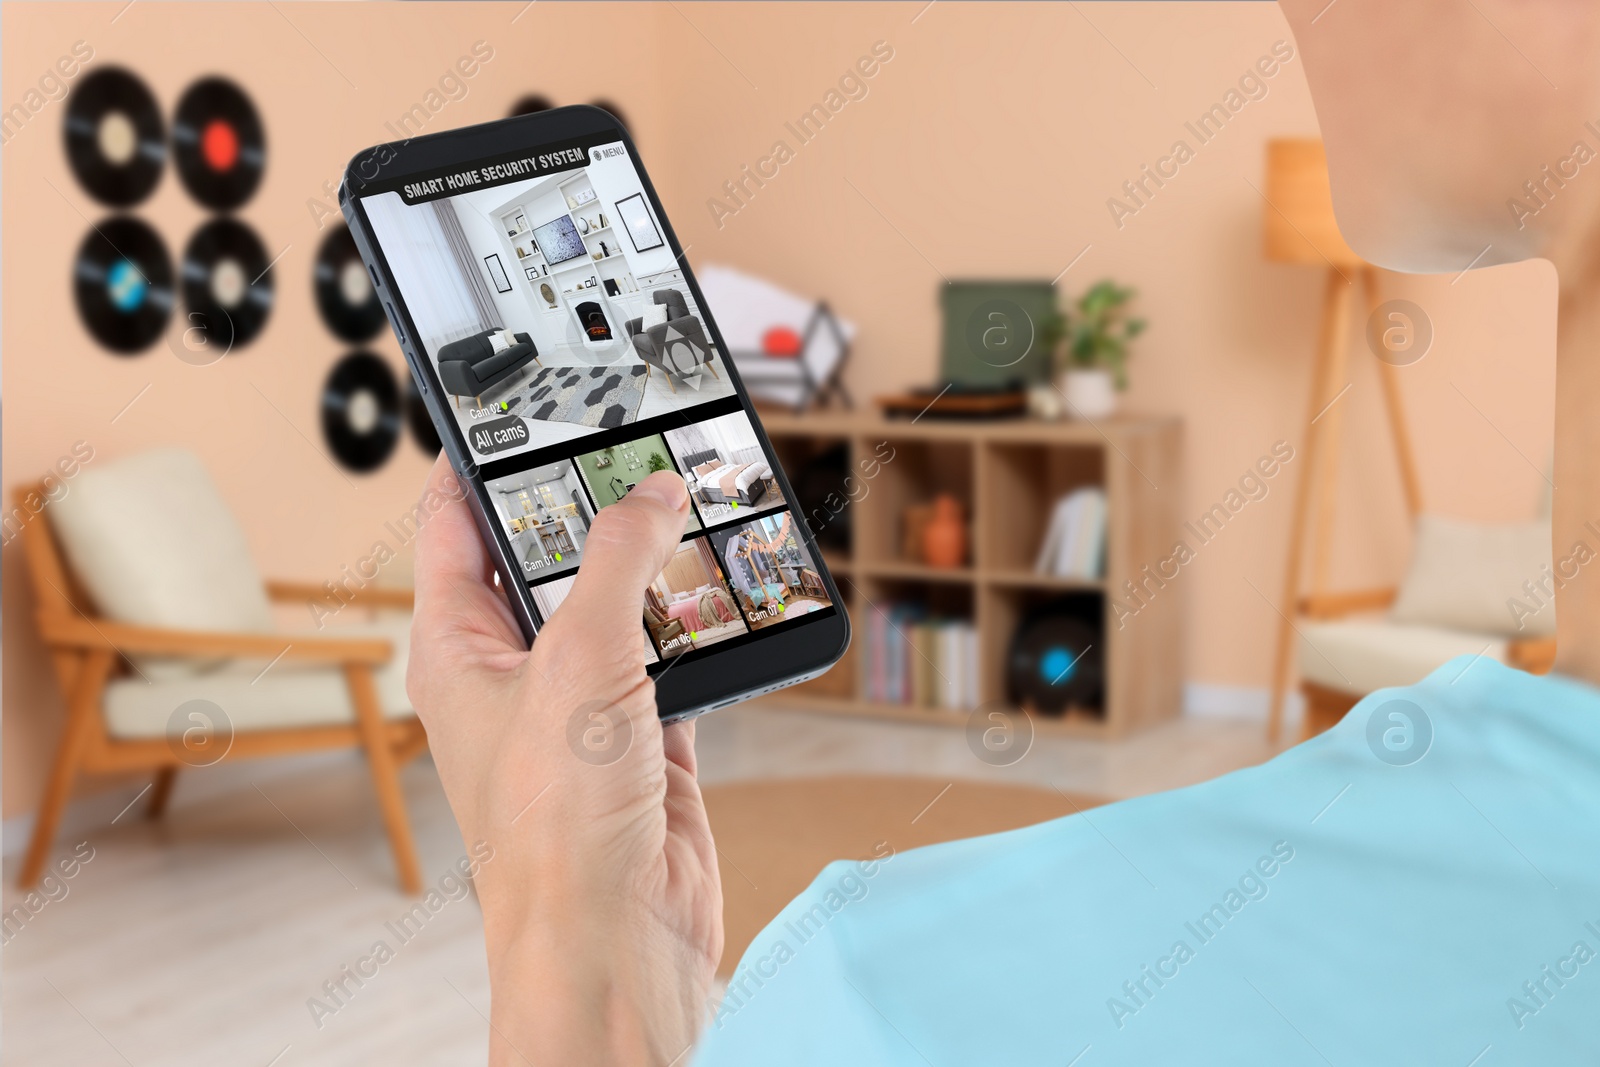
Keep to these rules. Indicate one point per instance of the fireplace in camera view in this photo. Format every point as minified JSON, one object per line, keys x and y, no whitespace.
{"x":593,"y":320}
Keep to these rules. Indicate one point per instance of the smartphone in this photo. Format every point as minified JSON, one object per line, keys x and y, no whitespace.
{"x":564,"y":351}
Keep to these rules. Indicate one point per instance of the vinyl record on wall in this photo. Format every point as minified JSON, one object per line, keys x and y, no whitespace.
{"x":345,"y":296}
{"x":361,"y":411}
{"x":218,"y":144}
{"x":226,"y":284}
{"x":122,"y":282}
{"x":116,"y":143}
{"x":422,"y":428}
{"x":1055,"y":662}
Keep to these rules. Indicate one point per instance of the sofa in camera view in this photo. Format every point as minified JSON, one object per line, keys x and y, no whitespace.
{"x":470,"y":366}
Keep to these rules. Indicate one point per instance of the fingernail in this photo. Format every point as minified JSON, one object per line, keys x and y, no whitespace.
{"x":665,"y":488}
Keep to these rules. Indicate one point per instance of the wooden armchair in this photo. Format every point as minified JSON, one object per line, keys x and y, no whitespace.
{"x":117,"y":712}
{"x":1327,"y":688}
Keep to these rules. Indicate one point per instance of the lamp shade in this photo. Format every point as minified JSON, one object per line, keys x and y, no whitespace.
{"x":1299,"y":223}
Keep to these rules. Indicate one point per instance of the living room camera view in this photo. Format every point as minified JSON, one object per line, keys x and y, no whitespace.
{"x":725,"y":469}
{"x":551,"y":307}
{"x":772,"y":575}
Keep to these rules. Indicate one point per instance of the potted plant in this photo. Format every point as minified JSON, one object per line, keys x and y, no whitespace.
{"x":658,"y":462}
{"x":1091,"y":360}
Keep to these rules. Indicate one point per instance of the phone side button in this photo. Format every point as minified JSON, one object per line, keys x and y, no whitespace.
{"x":394,"y":320}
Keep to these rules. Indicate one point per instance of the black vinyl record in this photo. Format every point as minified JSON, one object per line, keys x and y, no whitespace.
{"x":1056,"y":662}
{"x":116,"y":143}
{"x":422,"y":428}
{"x":361,"y":411}
{"x":345,"y":297}
{"x":122,"y":283}
{"x":218,"y":144}
{"x":226,"y":284}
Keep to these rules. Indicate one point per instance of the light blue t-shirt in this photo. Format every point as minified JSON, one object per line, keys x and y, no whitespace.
{"x":1419,"y":885}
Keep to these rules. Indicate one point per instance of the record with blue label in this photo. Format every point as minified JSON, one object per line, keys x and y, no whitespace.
{"x":122,"y":284}
{"x":349,"y":304}
{"x":218,"y":144}
{"x":1056,"y":662}
{"x":226,"y":284}
{"x":361,"y":411}
{"x":116,"y":142}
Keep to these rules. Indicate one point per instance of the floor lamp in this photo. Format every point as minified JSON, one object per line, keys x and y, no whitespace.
{"x":1300,"y":228}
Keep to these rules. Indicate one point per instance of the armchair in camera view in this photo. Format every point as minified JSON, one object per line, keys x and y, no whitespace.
{"x":162,"y":636}
{"x":473,"y":365}
{"x":667,"y":336}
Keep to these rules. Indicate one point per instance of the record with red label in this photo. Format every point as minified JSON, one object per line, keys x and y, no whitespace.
{"x":122,"y":283}
{"x":226,"y":284}
{"x":218,"y":144}
{"x":361,"y":411}
{"x":116,"y":143}
{"x":345,"y":296}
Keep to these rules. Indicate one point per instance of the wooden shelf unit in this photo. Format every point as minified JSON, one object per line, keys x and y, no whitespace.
{"x":1008,"y":475}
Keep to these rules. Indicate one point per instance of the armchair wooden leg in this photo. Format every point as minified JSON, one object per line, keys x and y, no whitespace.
{"x":668,"y":377}
{"x":712,"y":367}
{"x":369,"y":718}
{"x":82,"y":705}
{"x":161,"y":793}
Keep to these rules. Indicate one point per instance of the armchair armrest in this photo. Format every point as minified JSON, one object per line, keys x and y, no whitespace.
{"x":126,"y":639}
{"x":373,"y":596}
{"x":1337,"y":605}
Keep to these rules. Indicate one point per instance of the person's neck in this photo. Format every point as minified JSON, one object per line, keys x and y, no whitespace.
{"x":1576,"y":511}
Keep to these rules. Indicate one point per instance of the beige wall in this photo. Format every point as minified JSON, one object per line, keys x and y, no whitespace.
{"x":987,"y":146}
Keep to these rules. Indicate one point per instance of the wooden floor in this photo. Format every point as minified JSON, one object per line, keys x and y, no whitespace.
{"x":200,"y":940}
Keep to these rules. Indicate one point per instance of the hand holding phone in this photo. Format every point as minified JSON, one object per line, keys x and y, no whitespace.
{"x":584,"y":811}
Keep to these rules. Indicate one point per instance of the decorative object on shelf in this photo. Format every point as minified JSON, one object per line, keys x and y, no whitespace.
{"x":612,"y":289}
{"x":991,"y":334}
{"x":1044,"y":402}
{"x":548,"y":293}
{"x":603,"y":222}
{"x":1056,"y":662}
{"x":532,"y":273}
{"x":748,"y":307}
{"x":583,"y":224}
{"x":1091,"y":348}
{"x":605,"y":253}
{"x":944,"y":539}
{"x":1075,"y":542}
{"x":781,"y":342}
{"x":497,"y":272}
{"x":951,"y":401}
{"x":521,"y":220}
{"x":637,"y":221}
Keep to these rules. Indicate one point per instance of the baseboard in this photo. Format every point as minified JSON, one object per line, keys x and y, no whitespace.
{"x":1205,"y":700}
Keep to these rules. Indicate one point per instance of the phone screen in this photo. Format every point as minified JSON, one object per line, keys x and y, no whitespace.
{"x":575,"y":361}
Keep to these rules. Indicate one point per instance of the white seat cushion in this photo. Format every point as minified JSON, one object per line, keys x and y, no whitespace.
{"x":154,"y":543}
{"x":1357,"y":656}
{"x":287,"y":695}
{"x":1473,"y":576}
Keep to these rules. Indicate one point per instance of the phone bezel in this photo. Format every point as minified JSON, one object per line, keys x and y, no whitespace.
{"x":698,"y":680}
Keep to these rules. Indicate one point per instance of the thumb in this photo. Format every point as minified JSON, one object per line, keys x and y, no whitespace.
{"x":628,"y":545}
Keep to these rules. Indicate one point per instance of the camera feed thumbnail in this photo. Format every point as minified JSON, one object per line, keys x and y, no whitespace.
{"x":612,"y":472}
{"x":546,"y":516}
{"x":688,"y":605}
{"x":548,"y":598}
{"x":725,"y":469}
{"x":772,"y":575}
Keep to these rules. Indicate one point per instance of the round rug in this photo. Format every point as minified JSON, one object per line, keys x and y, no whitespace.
{"x":773,"y":837}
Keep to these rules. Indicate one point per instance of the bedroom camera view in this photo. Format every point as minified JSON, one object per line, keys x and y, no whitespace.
{"x":689,"y":605}
{"x":725,"y":469}
{"x":551,"y":307}
{"x":773,"y":576}
{"x":546,"y":515}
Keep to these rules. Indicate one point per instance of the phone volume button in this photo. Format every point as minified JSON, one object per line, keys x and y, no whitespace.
{"x":394,"y":320}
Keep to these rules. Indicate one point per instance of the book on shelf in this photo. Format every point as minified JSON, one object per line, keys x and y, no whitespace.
{"x":1074,"y":543}
{"x":919,"y":659}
